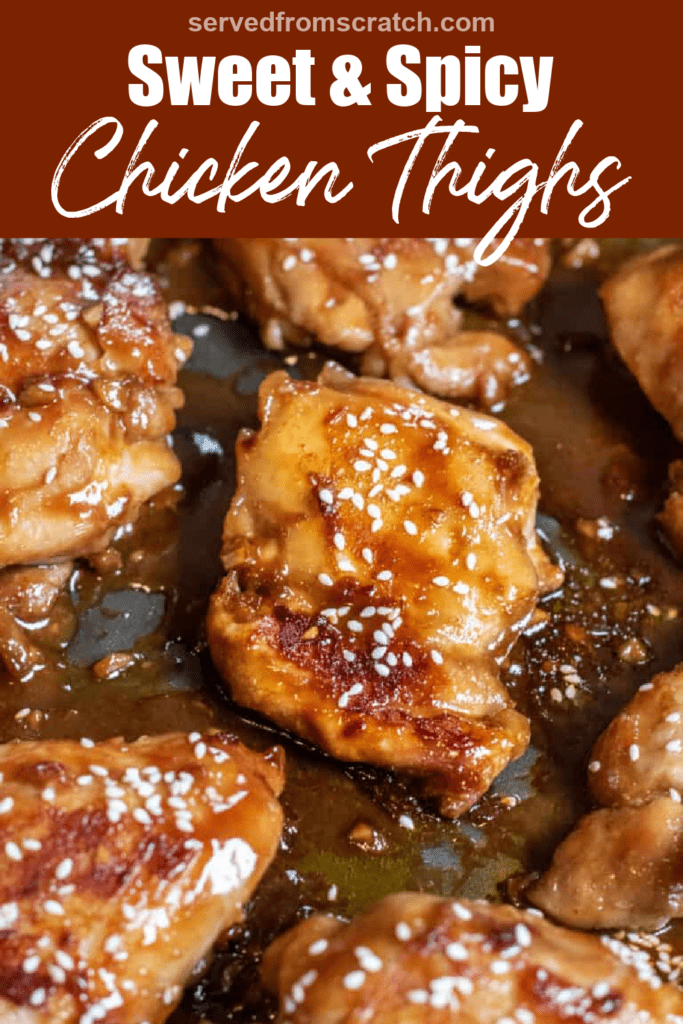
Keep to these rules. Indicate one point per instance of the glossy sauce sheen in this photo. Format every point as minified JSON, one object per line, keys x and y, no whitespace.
{"x":355,"y":834}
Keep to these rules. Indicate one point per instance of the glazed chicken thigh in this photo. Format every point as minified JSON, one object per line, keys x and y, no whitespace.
{"x":391,"y":299}
{"x":88,"y":365}
{"x":381,"y":557}
{"x":414,"y":958}
{"x":121,"y":865}
{"x":622,"y":866}
{"x":644,"y":306}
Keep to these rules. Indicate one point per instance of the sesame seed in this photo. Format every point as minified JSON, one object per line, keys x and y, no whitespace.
{"x":63,"y":869}
{"x":437,"y":658}
{"x":417,"y":995}
{"x":673,"y":746}
{"x":326,"y":580}
{"x":368,"y":960}
{"x":441,"y":581}
{"x":326,"y":496}
{"x":354,"y":980}
{"x":462,"y":912}
{"x":410,"y":527}
{"x":384,"y":575}
{"x":634,"y":752}
{"x":339,"y":542}
{"x":403,"y":931}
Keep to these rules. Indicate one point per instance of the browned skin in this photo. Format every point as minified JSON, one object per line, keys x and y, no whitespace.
{"x":364,"y":605}
{"x":121,"y":865}
{"x":88,"y":365}
{"x":622,"y":867}
{"x":415,"y":958}
{"x":644,"y":306}
{"x":391,"y":299}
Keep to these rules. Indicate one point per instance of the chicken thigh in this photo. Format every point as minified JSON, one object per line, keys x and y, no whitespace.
{"x":414,"y":958}
{"x":121,"y":865}
{"x":644,"y":306}
{"x":88,"y":365}
{"x":391,"y":299}
{"x":643,"y":302}
{"x":381,"y":558}
{"x":622,"y":866}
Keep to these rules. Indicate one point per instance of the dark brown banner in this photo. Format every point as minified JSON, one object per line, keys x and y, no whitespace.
{"x":193,"y":120}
